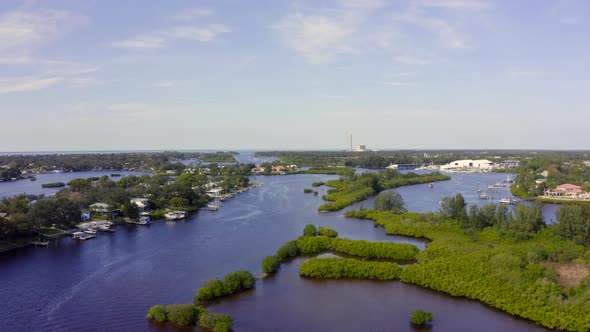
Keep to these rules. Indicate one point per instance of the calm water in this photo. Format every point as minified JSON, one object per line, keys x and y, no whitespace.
{"x":108,"y":283}
{"x":420,"y":198}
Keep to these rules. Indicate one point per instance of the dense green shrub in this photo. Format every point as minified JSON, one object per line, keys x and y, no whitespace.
{"x":232,"y":283}
{"x":238,"y":280}
{"x":421,"y":317}
{"x":313,"y":244}
{"x":182,"y":314}
{"x":349,"y":268}
{"x":271,"y":264}
{"x":325,"y":231}
{"x":359,"y":248}
{"x":493,"y":267}
{"x":289,"y":249}
{"x":366,"y":249}
{"x":307,"y":191}
{"x":217,"y":322}
{"x":158,"y":313}
{"x":389,"y":201}
{"x":190,"y":314}
{"x":310,"y":230}
{"x":318,"y":184}
{"x":210,"y":290}
{"x":53,"y":185}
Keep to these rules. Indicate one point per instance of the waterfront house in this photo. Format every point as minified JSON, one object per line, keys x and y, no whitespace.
{"x":279,"y":169}
{"x":565,"y":190}
{"x":143,"y":204}
{"x":214,"y":192}
{"x":103,"y":209}
{"x":258,"y":169}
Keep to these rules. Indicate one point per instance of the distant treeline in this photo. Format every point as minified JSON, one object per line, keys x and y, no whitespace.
{"x":13,"y":165}
{"x":380,"y":159}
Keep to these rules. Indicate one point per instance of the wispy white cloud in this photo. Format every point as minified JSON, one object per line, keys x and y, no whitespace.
{"x":524,"y":72}
{"x":411,"y":60}
{"x":399,"y":83}
{"x":165,"y":84}
{"x":141,"y":42}
{"x":447,"y":34}
{"x":26,"y":60}
{"x":69,"y":69}
{"x":24,"y":31}
{"x":203,"y":34}
{"x":83,"y":82}
{"x":192,"y":13}
{"x":319,"y":39}
{"x":23,"y":84}
{"x":455,"y":4}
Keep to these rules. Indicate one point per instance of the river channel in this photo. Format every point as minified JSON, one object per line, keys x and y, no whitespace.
{"x":108,"y":283}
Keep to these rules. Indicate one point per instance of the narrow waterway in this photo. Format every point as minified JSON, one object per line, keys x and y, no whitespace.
{"x":108,"y":283}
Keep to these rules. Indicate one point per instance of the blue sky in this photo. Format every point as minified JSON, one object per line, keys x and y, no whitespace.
{"x":105,"y":74}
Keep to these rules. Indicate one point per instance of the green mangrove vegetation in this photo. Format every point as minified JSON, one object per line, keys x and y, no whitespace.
{"x":271,"y":264}
{"x":325,"y":231}
{"x":421,"y":317}
{"x":342,"y":171}
{"x":358,"y":248}
{"x":190,"y":314}
{"x":513,"y":263}
{"x":319,"y":240}
{"x":53,"y":185}
{"x":232,"y":283}
{"x":335,"y":268}
{"x":310,"y":230}
{"x":389,"y":201}
{"x":351,"y":189}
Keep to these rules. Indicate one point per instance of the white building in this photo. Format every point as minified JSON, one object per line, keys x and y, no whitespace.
{"x":468,"y":165}
{"x":143,"y":204}
{"x":360,"y":148}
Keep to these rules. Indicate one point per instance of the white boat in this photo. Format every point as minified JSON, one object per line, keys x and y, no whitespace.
{"x":504,"y":201}
{"x":90,"y":231}
{"x":88,"y":236}
{"x":141,"y":221}
{"x":430,"y":185}
{"x":105,"y":228}
{"x":213,"y":206}
{"x":83,"y":236}
{"x":175,"y":215}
